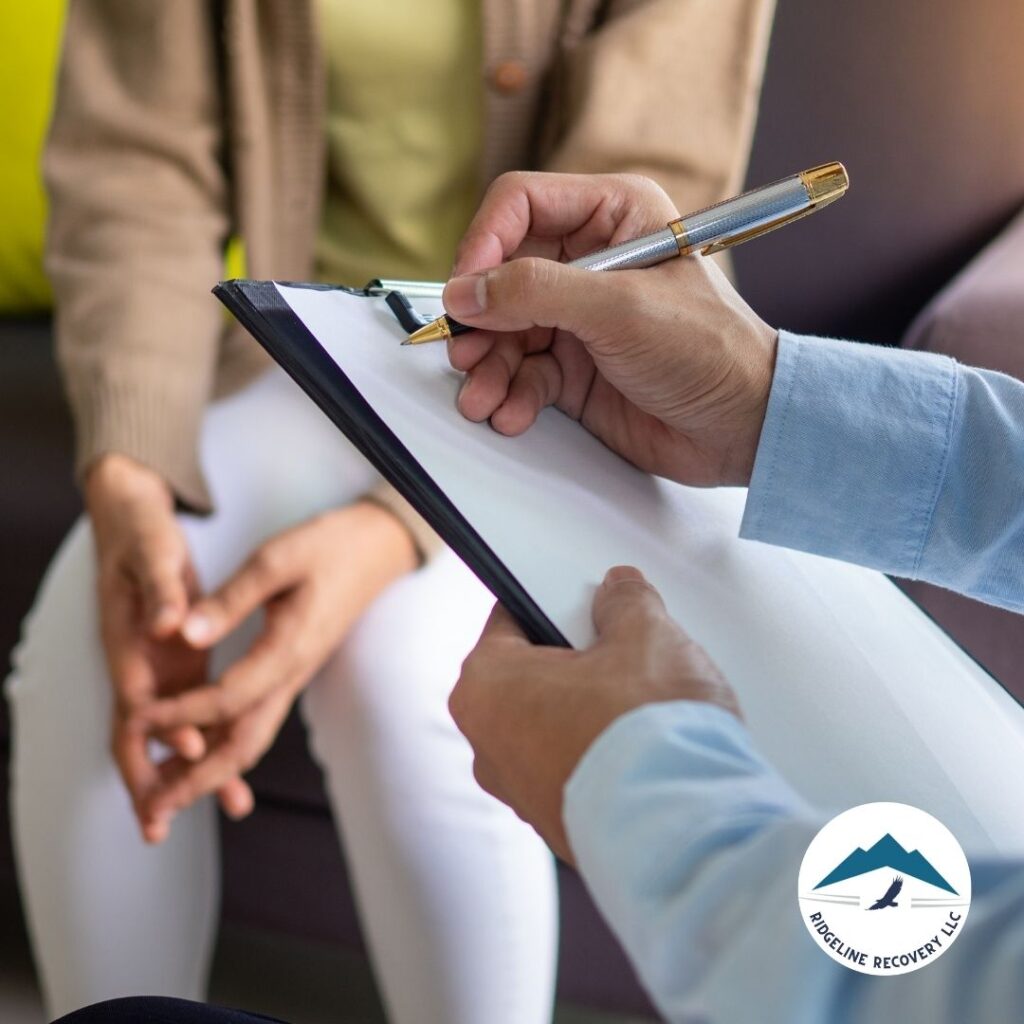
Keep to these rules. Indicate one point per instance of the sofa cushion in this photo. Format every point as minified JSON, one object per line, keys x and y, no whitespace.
{"x":39,"y":500}
{"x":979,"y":317}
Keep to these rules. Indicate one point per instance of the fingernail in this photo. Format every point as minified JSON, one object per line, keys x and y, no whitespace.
{"x":164,"y":616}
{"x":242,"y":809}
{"x":194,"y":747}
{"x":157,"y":827}
{"x":618,"y":573}
{"x":197,"y":628}
{"x":457,"y":355}
{"x":466,"y":296}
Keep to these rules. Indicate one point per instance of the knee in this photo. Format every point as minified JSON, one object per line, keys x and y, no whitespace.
{"x":394,"y":672}
{"x":59,"y":671}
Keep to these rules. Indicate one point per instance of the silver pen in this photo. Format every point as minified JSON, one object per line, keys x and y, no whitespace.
{"x":707,"y":231}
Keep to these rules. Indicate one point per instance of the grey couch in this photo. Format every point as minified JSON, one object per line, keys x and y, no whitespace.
{"x":922,"y":100}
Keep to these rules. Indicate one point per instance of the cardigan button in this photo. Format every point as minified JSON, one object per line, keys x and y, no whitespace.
{"x":510,"y":77}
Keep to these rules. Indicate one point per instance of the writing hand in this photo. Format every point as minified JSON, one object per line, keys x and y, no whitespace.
{"x":667,"y":366}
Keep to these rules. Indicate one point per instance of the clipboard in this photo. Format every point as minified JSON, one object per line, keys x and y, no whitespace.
{"x":847,"y":687}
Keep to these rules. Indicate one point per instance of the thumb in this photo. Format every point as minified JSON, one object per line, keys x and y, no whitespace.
{"x":626,"y":606}
{"x":214,"y":616}
{"x":531,"y":292}
{"x":159,"y":567}
{"x":502,"y":627}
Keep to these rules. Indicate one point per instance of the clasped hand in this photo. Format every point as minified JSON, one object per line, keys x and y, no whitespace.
{"x":311,"y":582}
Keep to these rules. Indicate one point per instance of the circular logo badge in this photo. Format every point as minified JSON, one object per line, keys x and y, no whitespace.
{"x":884,"y":888}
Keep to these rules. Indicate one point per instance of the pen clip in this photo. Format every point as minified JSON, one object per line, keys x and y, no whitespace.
{"x":763,"y":229}
{"x":824,"y":184}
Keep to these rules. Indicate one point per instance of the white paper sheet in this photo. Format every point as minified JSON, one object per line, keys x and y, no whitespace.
{"x":847,"y":687}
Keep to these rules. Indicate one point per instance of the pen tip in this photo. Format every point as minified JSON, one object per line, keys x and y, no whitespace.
{"x":436,"y":331}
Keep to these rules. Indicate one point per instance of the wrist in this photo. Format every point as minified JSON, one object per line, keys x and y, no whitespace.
{"x":758,"y":371}
{"x":115,"y":484}
{"x":402,"y":554}
{"x":390,"y":548}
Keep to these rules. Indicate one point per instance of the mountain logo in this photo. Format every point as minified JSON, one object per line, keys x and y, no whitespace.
{"x":884,"y":857}
{"x":886,"y":853}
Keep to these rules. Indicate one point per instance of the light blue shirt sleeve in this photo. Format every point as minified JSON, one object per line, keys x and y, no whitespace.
{"x":690,"y":843}
{"x":691,"y":846}
{"x":905,"y":462}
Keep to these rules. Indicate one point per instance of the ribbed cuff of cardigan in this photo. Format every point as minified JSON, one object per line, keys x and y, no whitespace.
{"x":427,"y":542}
{"x":149,"y":421}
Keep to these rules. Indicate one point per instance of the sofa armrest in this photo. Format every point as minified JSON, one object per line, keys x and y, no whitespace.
{"x":978,"y":318}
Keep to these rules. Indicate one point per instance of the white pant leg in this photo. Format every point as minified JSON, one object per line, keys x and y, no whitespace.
{"x":458,"y":895}
{"x":273,"y":460}
{"x":107,"y":915}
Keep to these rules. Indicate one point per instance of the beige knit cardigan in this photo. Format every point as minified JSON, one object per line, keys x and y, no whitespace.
{"x":178,"y":124}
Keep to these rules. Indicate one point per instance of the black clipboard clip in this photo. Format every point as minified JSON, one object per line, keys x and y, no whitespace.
{"x":405,"y":312}
{"x":397,"y":296}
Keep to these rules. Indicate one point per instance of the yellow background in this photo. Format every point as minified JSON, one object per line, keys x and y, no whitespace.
{"x":30,"y":39}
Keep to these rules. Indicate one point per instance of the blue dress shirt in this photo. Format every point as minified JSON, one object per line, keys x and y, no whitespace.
{"x":905,"y":462}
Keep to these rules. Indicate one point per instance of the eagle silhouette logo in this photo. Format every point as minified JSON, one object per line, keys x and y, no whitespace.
{"x":889,"y":899}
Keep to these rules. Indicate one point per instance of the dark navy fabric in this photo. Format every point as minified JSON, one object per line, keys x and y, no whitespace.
{"x":160,"y":1010}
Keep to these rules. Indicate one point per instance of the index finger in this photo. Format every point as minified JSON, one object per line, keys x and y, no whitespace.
{"x":235,"y":752}
{"x":141,"y":777}
{"x":269,"y":662}
{"x":587,"y":211}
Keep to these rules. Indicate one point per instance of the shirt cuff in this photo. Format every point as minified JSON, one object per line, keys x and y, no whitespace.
{"x":637,"y":730}
{"x":675,"y":765}
{"x":853,"y":452}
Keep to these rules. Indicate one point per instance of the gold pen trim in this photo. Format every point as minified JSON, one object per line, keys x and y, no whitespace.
{"x":436,"y":330}
{"x":682,"y":239}
{"x":764,"y":229}
{"x":825,"y":184}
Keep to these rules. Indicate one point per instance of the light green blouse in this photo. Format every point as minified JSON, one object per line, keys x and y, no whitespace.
{"x":404,"y":109}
